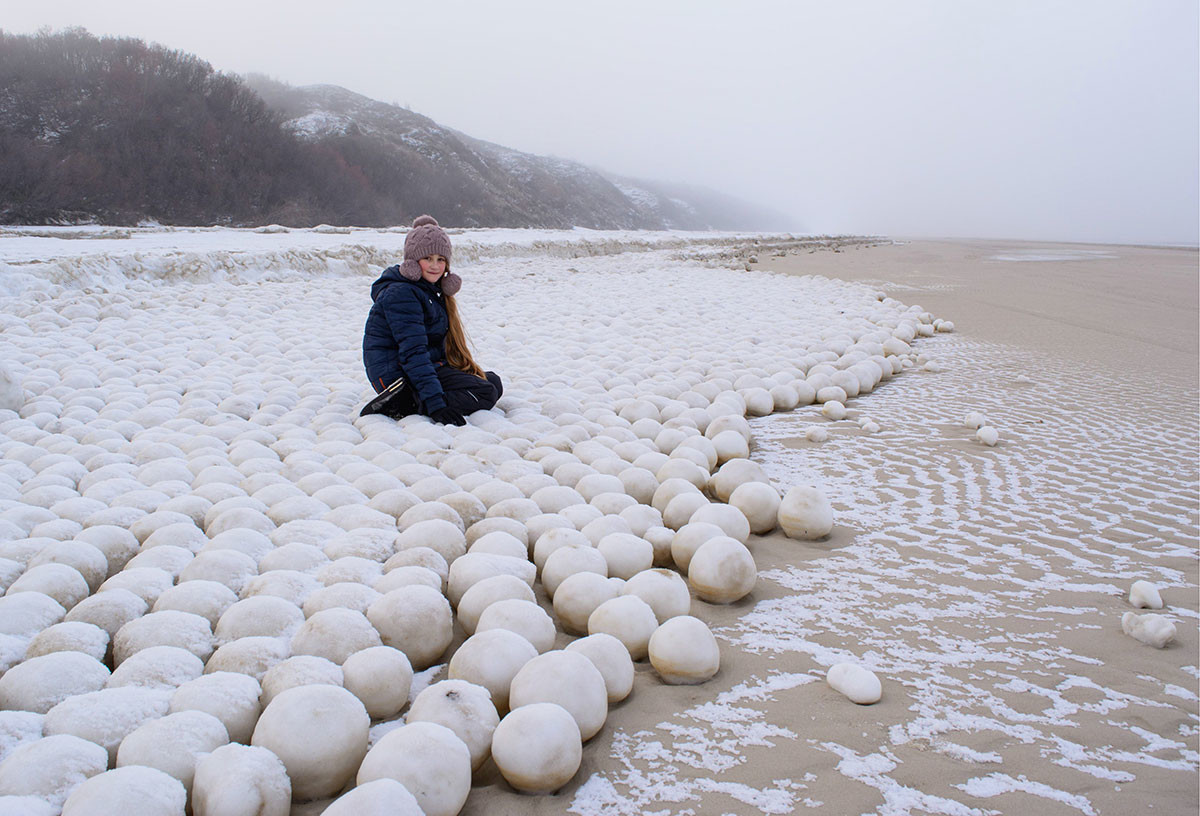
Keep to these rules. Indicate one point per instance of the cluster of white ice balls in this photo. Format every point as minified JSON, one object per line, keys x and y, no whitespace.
{"x":984,"y":432}
{"x":216,"y":601}
{"x":1152,"y":629}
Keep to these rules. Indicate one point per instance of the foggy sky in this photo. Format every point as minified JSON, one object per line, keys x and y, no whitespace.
{"x":1040,"y":120}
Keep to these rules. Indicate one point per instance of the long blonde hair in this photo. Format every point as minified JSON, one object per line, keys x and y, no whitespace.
{"x":458,"y":350}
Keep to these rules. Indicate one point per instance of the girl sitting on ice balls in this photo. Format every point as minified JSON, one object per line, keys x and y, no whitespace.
{"x":414,"y":347}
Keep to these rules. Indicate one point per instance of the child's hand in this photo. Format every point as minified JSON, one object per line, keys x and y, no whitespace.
{"x":448,"y":416}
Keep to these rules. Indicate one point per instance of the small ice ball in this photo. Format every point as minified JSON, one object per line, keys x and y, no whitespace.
{"x":684,"y":651}
{"x":19,"y":728}
{"x":426,"y":758}
{"x":416,"y":620}
{"x":759,"y":503}
{"x":161,"y":667}
{"x":166,"y":628}
{"x":12,"y":394}
{"x":728,"y":517}
{"x":249,"y":655}
{"x":231,"y":697}
{"x":988,"y":435}
{"x":381,"y":678}
{"x":833,"y":410}
{"x":259,"y":616}
{"x":734,"y":473}
{"x":805,"y":513}
{"x":722,"y":570}
{"x":61,"y":582}
{"x":858,"y":684}
{"x":107,"y":715}
{"x":439,"y":535}
{"x":301,"y":670}
{"x":50,"y":767}
{"x":208,"y":599}
{"x":483,"y":594}
{"x":491,"y":659}
{"x":974,"y":420}
{"x":624,"y":554}
{"x":629,"y":619}
{"x":335,"y":634}
{"x":110,"y":610}
{"x":500,"y":543}
{"x":320,"y":734}
{"x":730,"y":445}
{"x":69,"y":636}
{"x":816,"y":433}
{"x":241,"y":780}
{"x":689,"y":538}
{"x":664,"y":590}
{"x":474,"y":567}
{"x":379,"y":797}
{"x":578,"y":596}
{"x":524,"y":617}
{"x":173,"y":744}
{"x":568,"y":560}
{"x":612,"y":659}
{"x":568,"y":679}
{"x":133,"y":789}
{"x":1144,"y":595}
{"x":463,"y":707}
{"x":1153,"y":630}
{"x":830,"y":394}
{"x":538,"y":747}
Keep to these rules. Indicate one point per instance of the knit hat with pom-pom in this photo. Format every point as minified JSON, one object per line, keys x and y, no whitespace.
{"x":424,"y":239}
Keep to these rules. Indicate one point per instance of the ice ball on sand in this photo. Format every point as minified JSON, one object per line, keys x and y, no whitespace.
{"x":464,"y":708}
{"x":320,"y":734}
{"x":537,"y":747}
{"x":134,"y":789}
{"x":722,"y":570}
{"x":1153,"y":630}
{"x":1144,"y":595}
{"x":379,"y":797}
{"x":381,"y":678}
{"x":805,"y":513}
{"x":492,"y":659}
{"x":568,"y":679}
{"x":173,"y":744}
{"x":684,"y":651}
{"x":858,"y":684}
{"x":988,"y":436}
{"x":241,"y":780}
{"x":51,"y":767}
{"x":612,"y":659}
{"x":426,"y":758}
{"x":627,"y":618}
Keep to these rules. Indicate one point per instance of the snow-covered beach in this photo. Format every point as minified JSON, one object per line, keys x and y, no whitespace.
{"x":983,"y":584}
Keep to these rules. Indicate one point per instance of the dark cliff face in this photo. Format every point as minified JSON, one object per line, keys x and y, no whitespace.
{"x":495,"y":186}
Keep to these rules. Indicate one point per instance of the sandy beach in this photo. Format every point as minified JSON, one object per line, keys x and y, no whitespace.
{"x":984,"y":585}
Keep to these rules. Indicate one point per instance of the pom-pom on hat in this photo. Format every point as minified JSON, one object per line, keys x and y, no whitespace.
{"x":424,"y":239}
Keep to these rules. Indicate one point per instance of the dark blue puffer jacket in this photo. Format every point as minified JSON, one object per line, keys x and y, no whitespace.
{"x":405,"y":336}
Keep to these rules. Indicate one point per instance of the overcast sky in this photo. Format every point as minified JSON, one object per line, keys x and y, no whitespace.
{"x":1056,"y":120}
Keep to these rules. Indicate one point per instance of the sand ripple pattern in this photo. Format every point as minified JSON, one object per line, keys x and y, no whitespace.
{"x":985,"y":586}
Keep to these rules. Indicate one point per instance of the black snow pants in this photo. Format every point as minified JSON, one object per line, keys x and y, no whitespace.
{"x":467,"y":393}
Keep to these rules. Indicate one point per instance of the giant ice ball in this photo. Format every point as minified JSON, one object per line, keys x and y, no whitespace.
{"x":805,"y":513}
{"x":320,"y":734}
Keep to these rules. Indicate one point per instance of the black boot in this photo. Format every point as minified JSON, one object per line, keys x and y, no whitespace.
{"x":397,"y":400}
